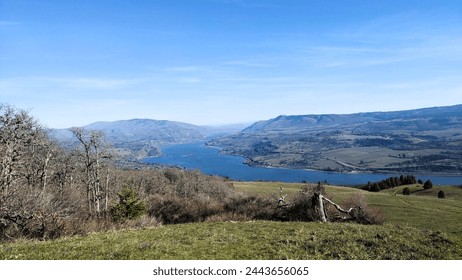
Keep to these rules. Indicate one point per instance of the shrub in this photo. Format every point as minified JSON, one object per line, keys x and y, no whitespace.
{"x":301,"y":206}
{"x":363,"y":213}
{"x":129,"y":206}
{"x":170,"y":209}
{"x":441,"y":194}
{"x":252,"y":206}
{"x":30,"y":214}
{"x":428,"y":185}
{"x":300,"y":209}
{"x":406,"y":191}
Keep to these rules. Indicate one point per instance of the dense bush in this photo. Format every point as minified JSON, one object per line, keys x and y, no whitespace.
{"x":174,"y":210}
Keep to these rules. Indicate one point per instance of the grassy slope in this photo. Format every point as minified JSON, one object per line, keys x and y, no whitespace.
{"x":419,"y":226}
{"x":422,"y":209}
{"x":246,"y":240}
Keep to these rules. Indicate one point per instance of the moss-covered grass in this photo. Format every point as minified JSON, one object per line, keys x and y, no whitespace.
{"x":246,"y":240}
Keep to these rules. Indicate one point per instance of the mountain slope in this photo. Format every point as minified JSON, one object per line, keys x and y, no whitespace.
{"x":146,"y":129}
{"x":422,"y":140}
{"x":432,"y":118}
{"x":138,"y":138}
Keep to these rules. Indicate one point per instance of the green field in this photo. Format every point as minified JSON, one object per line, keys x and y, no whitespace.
{"x":422,"y":209}
{"x":419,"y":226}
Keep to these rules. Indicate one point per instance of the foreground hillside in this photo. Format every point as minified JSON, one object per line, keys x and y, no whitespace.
{"x":246,"y":240}
{"x":419,"y":226}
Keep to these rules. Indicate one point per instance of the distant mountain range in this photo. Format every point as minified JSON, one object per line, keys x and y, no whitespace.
{"x":422,"y":140}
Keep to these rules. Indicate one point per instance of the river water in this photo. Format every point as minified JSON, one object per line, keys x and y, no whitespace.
{"x":211,"y":162}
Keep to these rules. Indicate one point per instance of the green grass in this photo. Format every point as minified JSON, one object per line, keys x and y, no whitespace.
{"x":267,"y":188}
{"x":246,"y":240}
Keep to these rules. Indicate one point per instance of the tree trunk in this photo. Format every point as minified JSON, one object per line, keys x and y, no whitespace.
{"x":45,"y":171}
{"x":319,"y":207}
{"x":106,"y":195}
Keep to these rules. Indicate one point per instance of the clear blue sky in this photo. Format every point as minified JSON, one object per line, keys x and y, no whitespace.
{"x":226,"y":61}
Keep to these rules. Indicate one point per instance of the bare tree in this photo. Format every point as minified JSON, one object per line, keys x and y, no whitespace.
{"x":92,"y":153}
{"x":26,"y":155}
{"x":25,"y":150}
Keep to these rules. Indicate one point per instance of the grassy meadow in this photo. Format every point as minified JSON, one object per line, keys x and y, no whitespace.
{"x":419,"y":226}
{"x":246,"y":240}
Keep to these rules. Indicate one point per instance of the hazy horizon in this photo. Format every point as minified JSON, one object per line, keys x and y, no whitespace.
{"x":244,"y":123}
{"x":218,"y":62}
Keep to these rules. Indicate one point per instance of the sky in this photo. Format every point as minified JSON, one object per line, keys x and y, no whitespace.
{"x":211,"y":62}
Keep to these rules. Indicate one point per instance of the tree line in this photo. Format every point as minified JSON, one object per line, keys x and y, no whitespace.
{"x":390,"y":182}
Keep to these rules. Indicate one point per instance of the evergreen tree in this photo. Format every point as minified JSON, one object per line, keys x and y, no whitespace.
{"x":129,"y":206}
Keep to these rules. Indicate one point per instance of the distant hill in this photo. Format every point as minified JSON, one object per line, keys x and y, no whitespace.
{"x":139,"y":138}
{"x":421,"y":140}
{"x":435,"y":118}
{"x":160,"y":131}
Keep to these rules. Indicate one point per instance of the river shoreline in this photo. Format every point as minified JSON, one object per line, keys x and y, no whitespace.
{"x":366,"y":171}
{"x":251,"y":163}
{"x":212,"y":161}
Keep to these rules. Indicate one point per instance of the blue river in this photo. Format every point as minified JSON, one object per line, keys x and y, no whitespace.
{"x":210,"y":161}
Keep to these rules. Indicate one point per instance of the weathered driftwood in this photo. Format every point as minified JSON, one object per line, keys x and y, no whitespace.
{"x":318,"y":207}
{"x":320,"y":211}
{"x":317,"y":204}
{"x":282,"y":199}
